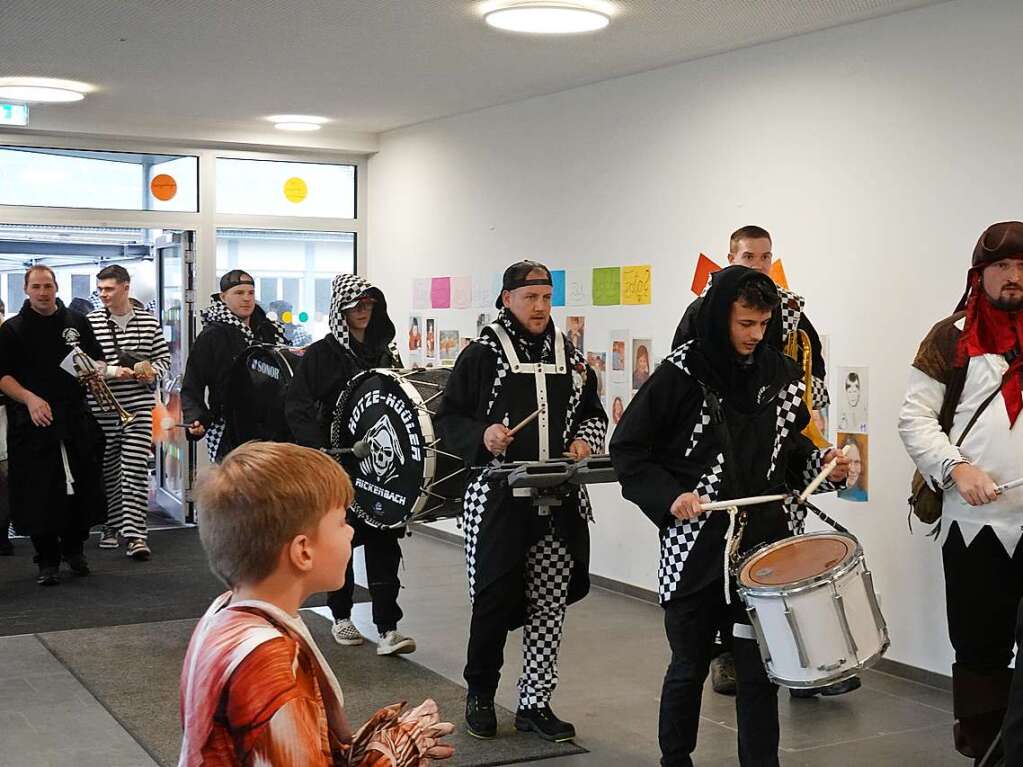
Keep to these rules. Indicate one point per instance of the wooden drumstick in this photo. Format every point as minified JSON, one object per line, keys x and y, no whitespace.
{"x":751,"y":501}
{"x":830,"y":467}
{"x":525,"y":422}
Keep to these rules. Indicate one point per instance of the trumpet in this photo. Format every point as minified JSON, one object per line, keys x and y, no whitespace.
{"x":799,"y":342}
{"x":90,"y":375}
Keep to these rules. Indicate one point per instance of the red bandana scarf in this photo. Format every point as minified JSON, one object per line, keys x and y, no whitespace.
{"x":990,"y":330}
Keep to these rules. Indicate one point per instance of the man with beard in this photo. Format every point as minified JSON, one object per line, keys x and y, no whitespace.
{"x":525,"y":563}
{"x":751,"y":246}
{"x":361,"y":337}
{"x":232,"y":323}
{"x":720,"y":418}
{"x":966,"y":380}
{"x":55,"y":445}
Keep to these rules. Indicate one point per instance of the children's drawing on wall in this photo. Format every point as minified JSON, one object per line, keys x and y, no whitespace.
{"x":640,"y":361}
{"x":575,"y":329}
{"x":856,"y":488}
{"x":853,"y":413}
{"x":448,"y":344}
{"x":619,"y":354}
{"x":598,"y":361}
{"x":431,"y":338}
{"x":415,"y":333}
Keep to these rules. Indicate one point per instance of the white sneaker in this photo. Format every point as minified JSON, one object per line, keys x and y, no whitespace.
{"x":393,"y":643}
{"x":345,"y":633}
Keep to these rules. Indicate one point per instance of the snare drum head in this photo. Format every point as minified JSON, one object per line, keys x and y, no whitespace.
{"x":381,"y":409}
{"x":256,"y":385}
{"x":797,"y":559}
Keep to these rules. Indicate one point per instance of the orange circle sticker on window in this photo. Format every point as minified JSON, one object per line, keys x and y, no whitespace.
{"x":163,"y":187}
{"x":295,"y":189}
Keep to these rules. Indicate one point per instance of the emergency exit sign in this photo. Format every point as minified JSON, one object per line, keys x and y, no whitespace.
{"x":13,"y":114}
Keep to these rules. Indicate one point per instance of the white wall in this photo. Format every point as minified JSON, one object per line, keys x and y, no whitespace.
{"x":876,"y":153}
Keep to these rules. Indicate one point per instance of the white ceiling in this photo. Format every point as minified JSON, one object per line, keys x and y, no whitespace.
{"x":210,"y":69}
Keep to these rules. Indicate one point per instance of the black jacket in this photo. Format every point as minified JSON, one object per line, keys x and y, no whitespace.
{"x":209,"y":362}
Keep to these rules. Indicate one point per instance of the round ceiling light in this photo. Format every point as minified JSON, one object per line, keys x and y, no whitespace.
{"x":42,"y":90}
{"x":297,"y":122}
{"x":547,"y":18}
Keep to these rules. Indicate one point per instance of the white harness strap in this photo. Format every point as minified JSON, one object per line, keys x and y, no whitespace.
{"x":539,"y":371}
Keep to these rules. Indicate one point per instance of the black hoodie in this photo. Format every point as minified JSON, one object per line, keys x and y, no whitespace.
{"x":330,"y":363}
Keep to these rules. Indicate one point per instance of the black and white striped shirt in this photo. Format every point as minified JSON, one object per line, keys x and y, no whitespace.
{"x":144,"y":337}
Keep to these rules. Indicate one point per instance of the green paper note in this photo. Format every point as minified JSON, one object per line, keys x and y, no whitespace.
{"x":607,"y":286}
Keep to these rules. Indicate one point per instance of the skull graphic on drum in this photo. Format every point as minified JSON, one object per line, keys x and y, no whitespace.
{"x":385,"y":456}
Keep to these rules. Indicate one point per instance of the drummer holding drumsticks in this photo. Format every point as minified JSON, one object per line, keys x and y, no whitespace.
{"x":720,"y":419}
{"x":958,"y":425}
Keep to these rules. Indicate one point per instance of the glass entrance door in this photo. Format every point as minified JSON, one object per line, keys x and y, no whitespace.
{"x":175,"y":455}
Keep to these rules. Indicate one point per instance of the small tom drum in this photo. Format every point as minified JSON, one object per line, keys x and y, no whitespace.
{"x":814,"y":610}
{"x":407,"y":476}
{"x":256,"y":384}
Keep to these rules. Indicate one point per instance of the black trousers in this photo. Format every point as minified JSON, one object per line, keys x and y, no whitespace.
{"x":5,"y":502}
{"x":383,"y":555}
{"x":983,"y":587}
{"x":51,"y":548}
{"x":691,"y":623}
{"x":493,"y":612}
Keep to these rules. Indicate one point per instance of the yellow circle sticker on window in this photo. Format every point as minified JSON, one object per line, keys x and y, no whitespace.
{"x":163,"y":187}
{"x":295,"y":189}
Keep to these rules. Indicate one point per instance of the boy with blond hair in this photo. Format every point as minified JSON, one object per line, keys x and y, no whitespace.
{"x":255,"y":689}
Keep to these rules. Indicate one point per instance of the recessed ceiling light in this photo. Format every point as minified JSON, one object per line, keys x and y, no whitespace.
{"x":546,"y":17}
{"x":43,"y":89}
{"x":297,"y":122}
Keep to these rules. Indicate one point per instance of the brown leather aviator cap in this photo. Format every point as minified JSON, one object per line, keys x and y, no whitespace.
{"x":1001,"y":240}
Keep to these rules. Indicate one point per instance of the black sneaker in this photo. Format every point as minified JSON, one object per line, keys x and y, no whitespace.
{"x":544,"y":723}
{"x":48,"y":576}
{"x":480,"y":717}
{"x":78,"y":564}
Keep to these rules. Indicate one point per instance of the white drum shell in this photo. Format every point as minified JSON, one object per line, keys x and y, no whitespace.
{"x":804,"y":640}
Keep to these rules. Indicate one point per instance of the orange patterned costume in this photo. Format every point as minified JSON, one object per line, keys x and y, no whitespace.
{"x":256,"y":691}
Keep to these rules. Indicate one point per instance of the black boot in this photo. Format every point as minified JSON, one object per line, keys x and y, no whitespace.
{"x":480,"y":717}
{"x":48,"y":575}
{"x":841,"y":688}
{"x":544,"y":723}
{"x":78,"y":563}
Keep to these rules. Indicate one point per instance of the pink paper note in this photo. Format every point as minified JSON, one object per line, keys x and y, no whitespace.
{"x":440,"y":293}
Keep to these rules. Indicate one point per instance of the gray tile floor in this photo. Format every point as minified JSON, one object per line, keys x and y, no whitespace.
{"x":612,"y":661}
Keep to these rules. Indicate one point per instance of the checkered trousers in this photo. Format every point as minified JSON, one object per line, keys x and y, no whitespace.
{"x":548,"y":573}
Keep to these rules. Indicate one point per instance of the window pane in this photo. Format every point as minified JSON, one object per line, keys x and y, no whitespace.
{"x":70,"y":178}
{"x":268,"y":188}
{"x":293,"y":272}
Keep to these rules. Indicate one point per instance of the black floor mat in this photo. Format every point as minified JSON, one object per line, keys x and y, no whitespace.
{"x":175,"y":583}
{"x":134,"y":672}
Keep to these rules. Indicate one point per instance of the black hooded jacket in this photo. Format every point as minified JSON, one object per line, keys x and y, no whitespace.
{"x":330,"y":363}
{"x":665,"y":421}
{"x":213,"y":353}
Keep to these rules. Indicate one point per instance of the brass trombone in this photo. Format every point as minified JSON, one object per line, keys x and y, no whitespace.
{"x":799,"y":342}
{"x":90,"y":375}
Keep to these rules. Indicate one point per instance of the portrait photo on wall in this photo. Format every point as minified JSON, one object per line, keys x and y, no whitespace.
{"x":856,"y":488}
{"x":852,"y":408}
{"x":575,"y":329}
{"x":598,"y":361}
{"x":415,"y":332}
{"x":617,"y":401}
{"x":641,"y":366}
{"x":431,"y":338}
{"x":482,"y":320}
{"x":619,"y":355}
{"x":449,"y":344}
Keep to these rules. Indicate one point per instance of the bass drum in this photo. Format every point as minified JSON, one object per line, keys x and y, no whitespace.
{"x":255,"y":388}
{"x":406,"y":475}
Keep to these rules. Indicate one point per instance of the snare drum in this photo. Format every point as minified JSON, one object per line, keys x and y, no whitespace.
{"x":256,"y":385}
{"x":408,"y":476}
{"x":814,"y":610}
